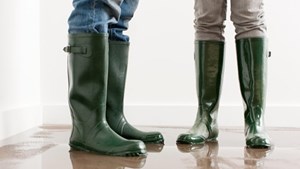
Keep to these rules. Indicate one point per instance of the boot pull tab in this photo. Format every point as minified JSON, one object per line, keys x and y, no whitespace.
{"x":67,"y":49}
{"x":269,"y":54}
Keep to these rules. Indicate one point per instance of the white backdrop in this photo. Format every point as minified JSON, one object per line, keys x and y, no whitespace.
{"x":20,"y":92}
{"x":161,"y":69}
{"x":161,"y":63}
{"x":160,"y":85}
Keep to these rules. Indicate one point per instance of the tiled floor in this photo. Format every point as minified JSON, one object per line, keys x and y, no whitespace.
{"x":46,"y":147}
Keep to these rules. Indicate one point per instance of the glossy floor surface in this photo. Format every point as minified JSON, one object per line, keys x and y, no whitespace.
{"x":46,"y":147}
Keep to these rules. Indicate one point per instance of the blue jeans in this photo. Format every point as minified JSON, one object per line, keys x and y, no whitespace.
{"x":102,"y":16}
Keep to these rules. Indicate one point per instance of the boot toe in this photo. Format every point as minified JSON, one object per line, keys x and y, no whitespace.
{"x":153,"y":138}
{"x":190,"y":139}
{"x":258,"y":142}
{"x":135,"y":148}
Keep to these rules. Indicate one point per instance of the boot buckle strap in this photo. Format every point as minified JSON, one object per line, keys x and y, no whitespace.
{"x":75,"y":49}
{"x":269,"y":54}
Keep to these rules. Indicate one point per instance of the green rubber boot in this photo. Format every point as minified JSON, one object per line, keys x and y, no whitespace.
{"x":87,"y":75}
{"x":118,"y":60}
{"x":209,"y":57}
{"x":252,"y":65}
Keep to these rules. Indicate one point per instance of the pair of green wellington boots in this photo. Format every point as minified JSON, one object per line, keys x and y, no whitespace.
{"x":96,"y":75}
{"x":252,"y":66}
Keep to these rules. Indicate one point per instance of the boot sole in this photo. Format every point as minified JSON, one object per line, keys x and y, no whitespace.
{"x":195,"y":143}
{"x":82,"y":147}
{"x":161,"y":141}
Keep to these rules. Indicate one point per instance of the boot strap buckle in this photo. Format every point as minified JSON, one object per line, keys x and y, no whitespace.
{"x":75,"y":49}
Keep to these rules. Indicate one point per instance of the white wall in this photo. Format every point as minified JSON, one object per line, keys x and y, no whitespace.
{"x":161,"y":85}
{"x":19,"y":66}
{"x":53,"y":24}
{"x":161,"y":70}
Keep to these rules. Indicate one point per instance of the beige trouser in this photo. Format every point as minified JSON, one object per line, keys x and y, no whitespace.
{"x":246,"y":15}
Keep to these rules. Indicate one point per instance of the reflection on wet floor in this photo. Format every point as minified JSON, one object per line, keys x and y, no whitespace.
{"x":86,"y":160}
{"x":46,"y":147}
{"x":206,"y":156}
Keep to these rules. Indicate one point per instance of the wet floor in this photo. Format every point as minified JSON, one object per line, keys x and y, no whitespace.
{"x":46,"y":147}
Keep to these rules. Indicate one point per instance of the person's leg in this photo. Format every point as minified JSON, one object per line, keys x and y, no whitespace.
{"x":209,"y":19}
{"x":93,"y":16}
{"x":88,"y":76}
{"x":118,"y":60}
{"x":116,"y":30}
{"x":248,"y":18}
{"x":252,"y":54}
{"x":209,"y":56}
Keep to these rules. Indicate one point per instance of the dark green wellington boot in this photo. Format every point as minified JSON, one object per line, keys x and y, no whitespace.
{"x":252,"y":65}
{"x":209,"y":57}
{"x":87,"y":75}
{"x":118,"y":60}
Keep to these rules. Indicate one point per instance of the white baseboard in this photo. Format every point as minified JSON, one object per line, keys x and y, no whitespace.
{"x":17,"y":120}
{"x":183,"y":115}
{"x":56,"y":114}
{"x":14,"y":121}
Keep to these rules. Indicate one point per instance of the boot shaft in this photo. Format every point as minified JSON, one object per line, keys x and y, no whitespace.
{"x":252,"y":67}
{"x":118,"y":61}
{"x":209,"y":58}
{"x":87,"y":76}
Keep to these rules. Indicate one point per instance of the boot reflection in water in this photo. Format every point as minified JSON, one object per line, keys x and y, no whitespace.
{"x":86,"y":160}
{"x":206,"y":155}
{"x":254,"y":158}
{"x":154,"y":148}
